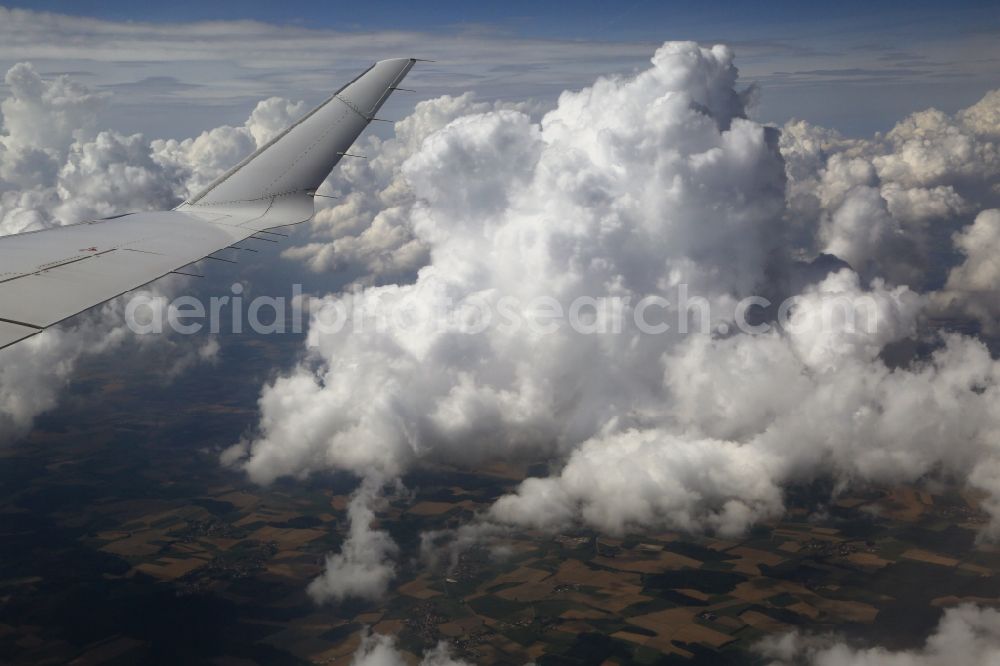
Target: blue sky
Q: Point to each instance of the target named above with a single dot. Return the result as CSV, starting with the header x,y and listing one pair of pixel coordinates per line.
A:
x,y
177,67
587,19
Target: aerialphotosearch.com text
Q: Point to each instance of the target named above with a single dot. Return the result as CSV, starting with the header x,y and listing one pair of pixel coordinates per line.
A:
x,y
379,311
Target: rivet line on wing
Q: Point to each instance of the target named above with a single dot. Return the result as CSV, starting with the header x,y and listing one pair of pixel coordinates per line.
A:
x,y
353,107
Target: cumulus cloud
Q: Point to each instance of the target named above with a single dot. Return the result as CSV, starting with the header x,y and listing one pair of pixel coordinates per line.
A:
x,y
930,148
775,420
55,169
881,204
40,120
369,230
650,185
381,650
198,161
836,320
966,634
586,202
649,477
364,567
973,287
110,174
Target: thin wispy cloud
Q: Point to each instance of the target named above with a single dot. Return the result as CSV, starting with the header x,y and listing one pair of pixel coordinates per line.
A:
x,y
216,69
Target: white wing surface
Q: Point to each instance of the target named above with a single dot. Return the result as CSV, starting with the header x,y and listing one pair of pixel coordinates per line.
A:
x,y
48,276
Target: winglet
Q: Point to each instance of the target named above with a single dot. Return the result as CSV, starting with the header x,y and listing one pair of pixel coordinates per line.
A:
x,y
299,159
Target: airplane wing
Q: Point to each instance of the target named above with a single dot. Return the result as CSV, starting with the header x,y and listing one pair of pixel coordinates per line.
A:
x,y
48,276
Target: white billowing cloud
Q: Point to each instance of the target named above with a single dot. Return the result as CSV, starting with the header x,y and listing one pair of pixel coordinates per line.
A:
x,y
607,196
204,158
983,117
201,160
973,287
650,477
836,320
381,650
110,174
922,204
636,187
773,419
271,117
26,210
875,203
364,566
735,402
54,169
41,122
859,229
819,399
41,119
369,229
930,148
967,635
981,269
